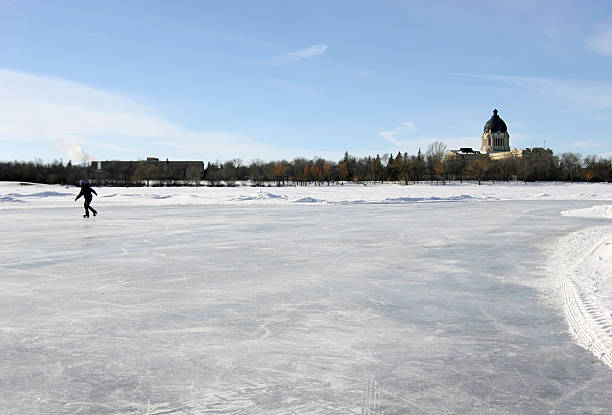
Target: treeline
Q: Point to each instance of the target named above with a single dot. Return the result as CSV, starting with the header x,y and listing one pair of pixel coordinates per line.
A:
x,y
40,172
405,168
401,167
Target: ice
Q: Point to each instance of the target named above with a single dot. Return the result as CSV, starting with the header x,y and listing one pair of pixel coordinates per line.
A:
x,y
217,305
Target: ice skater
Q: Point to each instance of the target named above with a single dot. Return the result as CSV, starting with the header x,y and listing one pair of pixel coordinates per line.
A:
x,y
86,192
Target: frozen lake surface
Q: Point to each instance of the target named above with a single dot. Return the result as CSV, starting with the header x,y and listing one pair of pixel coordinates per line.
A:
x,y
352,308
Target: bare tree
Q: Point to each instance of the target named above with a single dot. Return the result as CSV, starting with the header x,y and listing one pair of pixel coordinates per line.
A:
x,y
434,156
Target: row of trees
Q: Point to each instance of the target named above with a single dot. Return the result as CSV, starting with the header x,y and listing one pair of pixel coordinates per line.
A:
x,y
405,168
40,172
402,167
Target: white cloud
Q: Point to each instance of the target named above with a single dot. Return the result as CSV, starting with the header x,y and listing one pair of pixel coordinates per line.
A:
x,y
309,52
601,42
390,135
71,116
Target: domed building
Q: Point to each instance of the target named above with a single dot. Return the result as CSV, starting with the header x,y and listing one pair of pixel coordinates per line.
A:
x,y
496,144
495,136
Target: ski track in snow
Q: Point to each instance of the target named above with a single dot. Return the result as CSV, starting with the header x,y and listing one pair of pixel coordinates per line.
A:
x,y
583,263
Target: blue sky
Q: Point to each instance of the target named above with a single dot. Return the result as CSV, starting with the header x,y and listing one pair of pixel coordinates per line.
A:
x,y
216,80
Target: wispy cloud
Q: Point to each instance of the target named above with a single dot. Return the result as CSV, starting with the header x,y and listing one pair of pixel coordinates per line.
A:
x,y
309,52
601,42
585,144
409,125
402,138
589,97
73,116
390,135
402,130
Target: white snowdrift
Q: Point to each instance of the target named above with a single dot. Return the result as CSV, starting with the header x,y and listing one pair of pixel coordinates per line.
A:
x,y
598,211
583,263
14,195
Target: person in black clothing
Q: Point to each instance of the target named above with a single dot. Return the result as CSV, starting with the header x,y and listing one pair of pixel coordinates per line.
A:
x,y
86,192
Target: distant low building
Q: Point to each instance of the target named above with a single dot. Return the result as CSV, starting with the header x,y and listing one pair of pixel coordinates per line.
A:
x,y
496,144
194,166
147,170
466,153
524,153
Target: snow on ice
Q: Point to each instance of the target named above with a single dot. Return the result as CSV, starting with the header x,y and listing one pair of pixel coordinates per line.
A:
x,y
60,196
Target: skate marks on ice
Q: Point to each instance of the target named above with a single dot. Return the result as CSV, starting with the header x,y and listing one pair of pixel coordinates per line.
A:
x,y
581,261
240,401
372,395
365,397
277,399
375,398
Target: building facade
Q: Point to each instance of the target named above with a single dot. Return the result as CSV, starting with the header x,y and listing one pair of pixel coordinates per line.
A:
x,y
496,144
495,136
147,171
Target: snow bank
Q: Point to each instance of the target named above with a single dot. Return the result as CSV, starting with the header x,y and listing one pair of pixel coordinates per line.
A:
x,y
37,195
583,263
598,211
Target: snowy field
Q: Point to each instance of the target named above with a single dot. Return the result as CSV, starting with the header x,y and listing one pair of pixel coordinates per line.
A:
x,y
386,299
348,194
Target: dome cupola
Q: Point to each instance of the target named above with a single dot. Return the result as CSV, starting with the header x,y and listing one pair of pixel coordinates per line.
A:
x,y
495,124
495,137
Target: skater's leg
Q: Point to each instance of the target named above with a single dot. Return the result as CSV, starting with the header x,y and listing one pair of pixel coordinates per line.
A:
x,y
86,205
95,212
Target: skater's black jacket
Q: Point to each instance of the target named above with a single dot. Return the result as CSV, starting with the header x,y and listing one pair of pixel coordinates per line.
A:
x,y
86,192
